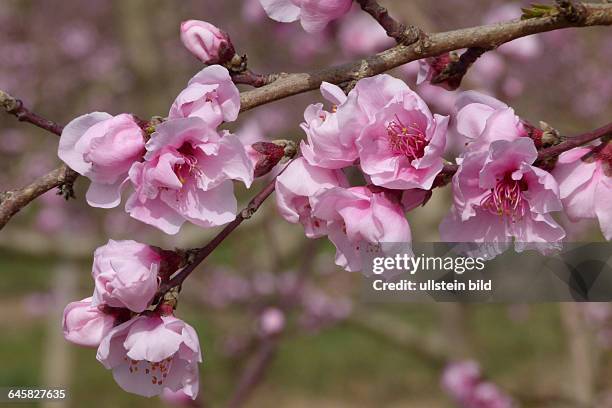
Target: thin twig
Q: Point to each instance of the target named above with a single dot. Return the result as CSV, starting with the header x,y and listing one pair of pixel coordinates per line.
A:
x,y
13,201
202,253
15,107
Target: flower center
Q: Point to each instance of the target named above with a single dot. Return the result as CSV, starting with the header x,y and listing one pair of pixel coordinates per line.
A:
x,y
156,371
184,170
506,198
405,140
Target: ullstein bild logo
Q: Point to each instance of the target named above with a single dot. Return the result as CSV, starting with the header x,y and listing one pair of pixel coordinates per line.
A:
x,y
461,272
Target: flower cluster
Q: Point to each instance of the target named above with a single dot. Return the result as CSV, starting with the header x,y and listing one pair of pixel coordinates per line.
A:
x,y
386,131
146,346
183,171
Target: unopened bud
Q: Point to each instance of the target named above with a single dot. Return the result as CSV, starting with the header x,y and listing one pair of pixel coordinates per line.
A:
x,y
208,43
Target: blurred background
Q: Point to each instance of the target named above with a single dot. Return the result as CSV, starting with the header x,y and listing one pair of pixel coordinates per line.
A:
x,y
268,292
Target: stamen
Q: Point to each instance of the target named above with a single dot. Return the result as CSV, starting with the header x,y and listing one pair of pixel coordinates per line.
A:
x,y
405,140
506,199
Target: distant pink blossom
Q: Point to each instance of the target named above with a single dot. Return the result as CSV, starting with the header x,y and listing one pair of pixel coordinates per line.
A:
x,y
295,188
271,321
499,195
210,95
125,274
460,378
328,145
523,48
102,148
314,15
402,145
359,34
150,353
584,175
208,43
187,176
357,217
85,324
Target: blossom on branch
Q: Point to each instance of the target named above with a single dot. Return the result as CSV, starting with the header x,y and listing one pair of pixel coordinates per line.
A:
x,y
206,42
152,352
187,176
102,148
210,95
585,183
85,324
358,216
314,15
125,274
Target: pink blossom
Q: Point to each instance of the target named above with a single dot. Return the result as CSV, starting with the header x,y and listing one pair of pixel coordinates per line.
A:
x,y
149,353
357,216
313,14
187,176
125,274
481,119
177,398
102,148
523,48
85,324
208,43
295,188
460,378
328,145
210,95
499,195
402,146
584,175
271,321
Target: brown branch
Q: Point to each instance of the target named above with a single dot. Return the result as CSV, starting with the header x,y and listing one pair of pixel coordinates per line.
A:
x,y
13,201
63,177
248,77
488,36
254,372
403,34
15,107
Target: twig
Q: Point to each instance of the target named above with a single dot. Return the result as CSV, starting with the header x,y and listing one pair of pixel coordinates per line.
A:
x,y
575,141
434,44
205,251
455,71
15,107
253,374
13,201
248,77
403,34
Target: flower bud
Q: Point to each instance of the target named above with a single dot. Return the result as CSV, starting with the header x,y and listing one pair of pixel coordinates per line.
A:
x,y
270,154
208,43
125,274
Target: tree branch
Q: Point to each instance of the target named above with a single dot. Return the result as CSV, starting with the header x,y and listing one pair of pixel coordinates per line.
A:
x,y
202,253
488,36
575,141
13,201
15,107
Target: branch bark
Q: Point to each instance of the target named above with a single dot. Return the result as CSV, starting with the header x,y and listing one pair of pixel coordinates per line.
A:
x,y
488,36
13,201
15,107
403,34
